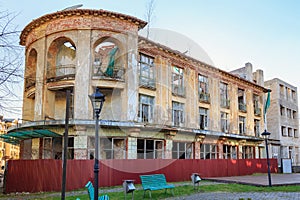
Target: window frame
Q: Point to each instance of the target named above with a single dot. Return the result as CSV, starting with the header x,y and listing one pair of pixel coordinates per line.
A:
x,y
147,72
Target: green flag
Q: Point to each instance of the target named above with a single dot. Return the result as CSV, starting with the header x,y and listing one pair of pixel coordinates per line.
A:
x,y
268,102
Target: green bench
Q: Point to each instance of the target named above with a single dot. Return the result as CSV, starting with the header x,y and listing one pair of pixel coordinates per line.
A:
x,y
90,188
155,182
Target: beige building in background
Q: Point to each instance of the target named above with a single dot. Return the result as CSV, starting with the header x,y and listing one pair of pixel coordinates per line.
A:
x,y
283,122
160,103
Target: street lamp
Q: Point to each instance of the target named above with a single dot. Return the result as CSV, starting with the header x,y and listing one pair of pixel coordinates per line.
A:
x,y
97,100
266,135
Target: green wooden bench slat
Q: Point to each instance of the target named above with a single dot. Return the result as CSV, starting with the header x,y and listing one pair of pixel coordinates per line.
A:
x,y
155,182
91,191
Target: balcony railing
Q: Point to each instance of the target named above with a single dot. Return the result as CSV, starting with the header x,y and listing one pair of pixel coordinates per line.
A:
x,y
116,73
204,97
242,107
61,72
30,80
257,111
178,90
147,82
225,103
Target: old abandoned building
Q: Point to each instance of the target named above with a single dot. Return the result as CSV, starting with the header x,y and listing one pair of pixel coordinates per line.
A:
x,y
160,103
283,122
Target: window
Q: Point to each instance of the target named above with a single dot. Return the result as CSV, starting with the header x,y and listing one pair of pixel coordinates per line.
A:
x,y
47,148
289,113
224,95
177,81
248,152
146,104
256,104
242,100
108,61
182,150
203,118
203,88
290,132
70,148
208,151
224,122
283,131
149,149
295,114
242,125
147,71
294,96
257,128
112,148
177,113
91,147
229,152
282,110
281,90
296,133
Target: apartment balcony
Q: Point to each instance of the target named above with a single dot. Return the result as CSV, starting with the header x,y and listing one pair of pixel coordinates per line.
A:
x,y
204,97
62,72
225,103
30,81
178,90
242,107
257,111
147,83
114,73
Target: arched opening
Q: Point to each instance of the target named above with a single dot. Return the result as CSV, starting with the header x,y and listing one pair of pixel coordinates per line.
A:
x,y
61,60
108,61
30,71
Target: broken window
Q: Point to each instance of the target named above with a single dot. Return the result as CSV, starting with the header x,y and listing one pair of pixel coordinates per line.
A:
x,y
225,103
112,148
248,152
177,81
208,151
107,60
203,88
242,125
182,150
70,148
203,118
177,113
229,152
224,122
242,100
150,149
146,104
146,71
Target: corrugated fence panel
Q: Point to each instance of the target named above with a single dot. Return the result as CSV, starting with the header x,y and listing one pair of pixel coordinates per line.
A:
x,y
46,175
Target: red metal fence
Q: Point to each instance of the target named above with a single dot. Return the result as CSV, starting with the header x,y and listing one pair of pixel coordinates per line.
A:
x,y
46,175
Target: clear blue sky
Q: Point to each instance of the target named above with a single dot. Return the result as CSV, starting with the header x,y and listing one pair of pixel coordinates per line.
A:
x,y
232,32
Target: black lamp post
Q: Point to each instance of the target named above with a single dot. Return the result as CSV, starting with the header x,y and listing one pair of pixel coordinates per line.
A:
x,y
266,135
97,100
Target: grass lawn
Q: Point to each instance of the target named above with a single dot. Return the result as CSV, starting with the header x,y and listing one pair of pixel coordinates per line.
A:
x,y
160,194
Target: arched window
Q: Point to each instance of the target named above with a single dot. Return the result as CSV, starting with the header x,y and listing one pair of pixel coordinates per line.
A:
x,y
61,59
107,60
30,72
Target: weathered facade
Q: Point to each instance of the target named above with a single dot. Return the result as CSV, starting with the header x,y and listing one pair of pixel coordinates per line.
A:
x,y
160,104
283,121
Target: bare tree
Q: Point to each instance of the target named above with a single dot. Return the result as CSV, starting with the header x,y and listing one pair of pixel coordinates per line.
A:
x,y
150,6
11,60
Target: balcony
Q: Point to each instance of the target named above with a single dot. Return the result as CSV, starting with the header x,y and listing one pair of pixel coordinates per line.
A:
x,y
242,107
178,90
61,72
115,73
204,97
225,103
257,111
30,81
147,82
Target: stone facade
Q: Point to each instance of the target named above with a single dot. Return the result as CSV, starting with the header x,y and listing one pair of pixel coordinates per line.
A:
x,y
283,121
160,104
